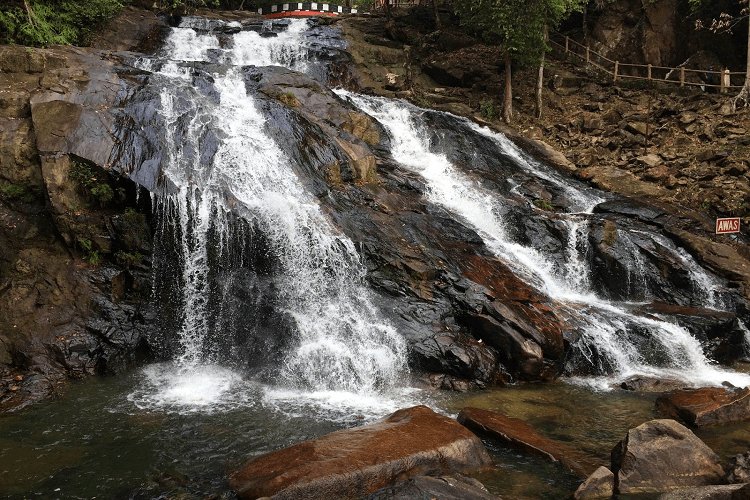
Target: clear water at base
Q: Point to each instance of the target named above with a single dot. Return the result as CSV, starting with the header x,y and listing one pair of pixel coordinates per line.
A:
x,y
94,442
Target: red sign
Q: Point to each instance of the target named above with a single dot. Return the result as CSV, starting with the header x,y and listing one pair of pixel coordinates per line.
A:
x,y
728,225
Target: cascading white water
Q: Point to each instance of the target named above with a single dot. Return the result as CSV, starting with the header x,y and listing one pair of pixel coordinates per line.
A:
x,y
343,346
604,324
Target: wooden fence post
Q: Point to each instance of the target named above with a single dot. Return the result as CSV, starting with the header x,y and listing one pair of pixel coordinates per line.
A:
x,y
726,80
649,72
588,54
617,68
567,44
682,76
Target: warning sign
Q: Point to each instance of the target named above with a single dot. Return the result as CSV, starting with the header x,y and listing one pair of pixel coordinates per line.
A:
x,y
728,225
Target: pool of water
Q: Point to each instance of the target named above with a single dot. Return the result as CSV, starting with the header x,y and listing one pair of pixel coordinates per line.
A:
x,y
137,436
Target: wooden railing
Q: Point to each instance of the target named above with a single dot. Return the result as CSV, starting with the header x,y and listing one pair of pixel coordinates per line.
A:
x,y
648,72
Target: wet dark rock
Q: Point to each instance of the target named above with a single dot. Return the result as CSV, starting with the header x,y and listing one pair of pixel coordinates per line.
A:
x,y
358,462
600,484
660,456
455,487
706,406
718,331
739,469
432,271
70,308
518,434
458,355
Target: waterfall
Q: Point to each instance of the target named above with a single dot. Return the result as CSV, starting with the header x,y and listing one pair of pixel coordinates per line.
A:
x,y
227,182
606,328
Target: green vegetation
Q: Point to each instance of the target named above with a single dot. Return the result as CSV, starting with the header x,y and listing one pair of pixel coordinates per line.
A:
x,y
50,22
17,192
487,109
87,179
544,205
91,255
129,259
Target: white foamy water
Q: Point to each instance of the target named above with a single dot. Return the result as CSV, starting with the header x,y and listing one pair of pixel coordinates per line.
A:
x,y
344,354
604,325
287,49
191,388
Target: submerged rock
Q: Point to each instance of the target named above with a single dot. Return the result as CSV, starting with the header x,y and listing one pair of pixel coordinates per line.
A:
x,y
454,487
358,462
520,435
706,406
663,455
647,384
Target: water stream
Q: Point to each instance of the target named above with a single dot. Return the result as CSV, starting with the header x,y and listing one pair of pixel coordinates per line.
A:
x,y
220,160
604,325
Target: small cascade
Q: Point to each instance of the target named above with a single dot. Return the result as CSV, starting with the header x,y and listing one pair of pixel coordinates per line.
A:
x,y
576,250
285,49
613,339
231,196
704,285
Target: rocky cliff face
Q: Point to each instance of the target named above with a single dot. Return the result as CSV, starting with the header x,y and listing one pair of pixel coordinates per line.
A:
x,y
75,242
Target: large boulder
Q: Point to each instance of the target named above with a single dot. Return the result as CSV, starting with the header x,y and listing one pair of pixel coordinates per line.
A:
x,y
706,406
357,462
663,455
520,435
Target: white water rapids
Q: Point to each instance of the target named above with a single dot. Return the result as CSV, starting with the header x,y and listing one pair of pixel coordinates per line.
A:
x,y
605,323
346,353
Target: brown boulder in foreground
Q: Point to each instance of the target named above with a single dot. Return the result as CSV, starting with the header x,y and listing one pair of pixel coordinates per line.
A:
x,y
663,455
353,463
706,406
522,436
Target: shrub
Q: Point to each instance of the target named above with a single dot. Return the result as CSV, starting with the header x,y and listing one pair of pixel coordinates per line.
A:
x,y
90,254
87,179
17,192
129,259
487,109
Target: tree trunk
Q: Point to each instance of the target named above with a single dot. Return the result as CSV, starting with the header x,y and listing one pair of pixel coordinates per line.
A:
x,y
29,13
387,8
508,92
744,94
584,22
438,25
540,80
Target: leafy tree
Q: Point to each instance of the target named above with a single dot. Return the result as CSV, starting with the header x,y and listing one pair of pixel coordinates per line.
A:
x,y
726,22
519,26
